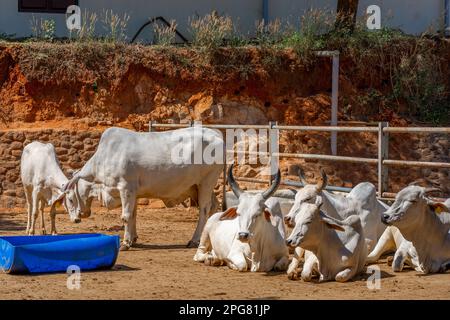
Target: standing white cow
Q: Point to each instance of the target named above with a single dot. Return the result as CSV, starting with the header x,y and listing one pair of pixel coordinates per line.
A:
x,y
338,249
361,198
44,182
130,165
424,222
249,236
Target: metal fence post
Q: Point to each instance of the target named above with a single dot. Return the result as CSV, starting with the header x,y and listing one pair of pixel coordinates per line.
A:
x,y
273,148
383,154
151,128
224,178
334,102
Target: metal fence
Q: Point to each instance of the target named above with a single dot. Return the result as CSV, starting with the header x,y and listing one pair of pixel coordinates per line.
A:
x,y
382,161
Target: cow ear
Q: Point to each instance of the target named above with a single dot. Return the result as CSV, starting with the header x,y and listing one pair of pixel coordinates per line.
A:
x,y
229,214
58,199
333,226
438,207
267,215
330,223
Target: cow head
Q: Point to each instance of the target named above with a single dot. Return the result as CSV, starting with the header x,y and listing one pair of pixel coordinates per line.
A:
x,y
79,195
69,202
251,209
309,223
308,194
409,206
84,194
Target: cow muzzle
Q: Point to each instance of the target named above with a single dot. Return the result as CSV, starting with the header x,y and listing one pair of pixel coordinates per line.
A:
x,y
76,220
385,219
243,236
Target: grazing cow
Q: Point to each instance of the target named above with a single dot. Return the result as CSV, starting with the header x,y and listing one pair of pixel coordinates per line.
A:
x,y
424,222
249,236
362,196
338,246
43,182
129,165
393,240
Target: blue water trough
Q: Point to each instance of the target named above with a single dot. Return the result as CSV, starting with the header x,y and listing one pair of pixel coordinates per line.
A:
x,y
42,254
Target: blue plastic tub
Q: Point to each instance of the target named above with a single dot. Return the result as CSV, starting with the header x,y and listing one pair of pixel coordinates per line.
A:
x,y
40,254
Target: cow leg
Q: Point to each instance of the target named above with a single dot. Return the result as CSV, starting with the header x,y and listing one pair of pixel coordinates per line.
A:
x,y
41,209
133,226
29,198
385,243
282,264
52,219
128,217
293,271
309,267
401,256
204,245
34,211
211,259
204,207
344,275
237,262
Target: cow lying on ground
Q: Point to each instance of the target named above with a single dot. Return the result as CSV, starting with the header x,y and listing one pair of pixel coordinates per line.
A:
x,y
405,253
130,165
424,222
43,182
249,236
338,246
362,199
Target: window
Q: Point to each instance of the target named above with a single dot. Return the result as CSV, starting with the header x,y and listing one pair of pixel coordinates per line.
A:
x,y
51,6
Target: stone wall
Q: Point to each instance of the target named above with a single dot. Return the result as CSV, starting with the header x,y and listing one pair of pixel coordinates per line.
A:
x,y
73,149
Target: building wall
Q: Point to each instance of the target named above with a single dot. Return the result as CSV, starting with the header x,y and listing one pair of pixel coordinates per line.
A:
x,y
412,16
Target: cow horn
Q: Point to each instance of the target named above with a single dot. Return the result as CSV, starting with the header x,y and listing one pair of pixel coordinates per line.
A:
x,y
233,184
301,175
322,183
266,194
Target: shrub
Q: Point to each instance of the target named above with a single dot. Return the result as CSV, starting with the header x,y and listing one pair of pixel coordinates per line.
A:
x,y
211,30
43,29
115,26
165,35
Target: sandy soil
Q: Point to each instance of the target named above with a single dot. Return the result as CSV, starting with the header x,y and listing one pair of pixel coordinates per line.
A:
x,y
162,268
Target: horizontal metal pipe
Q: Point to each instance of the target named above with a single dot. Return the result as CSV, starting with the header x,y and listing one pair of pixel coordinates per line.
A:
x,y
309,156
406,163
170,125
328,128
417,129
314,128
326,157
326,53
291,183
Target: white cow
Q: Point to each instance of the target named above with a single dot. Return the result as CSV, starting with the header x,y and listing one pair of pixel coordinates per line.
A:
x,y
44,182
337,247
249,236
130,165
424,222
362,197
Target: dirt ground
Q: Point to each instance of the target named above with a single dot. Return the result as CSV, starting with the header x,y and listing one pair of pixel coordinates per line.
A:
x,y
161,267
